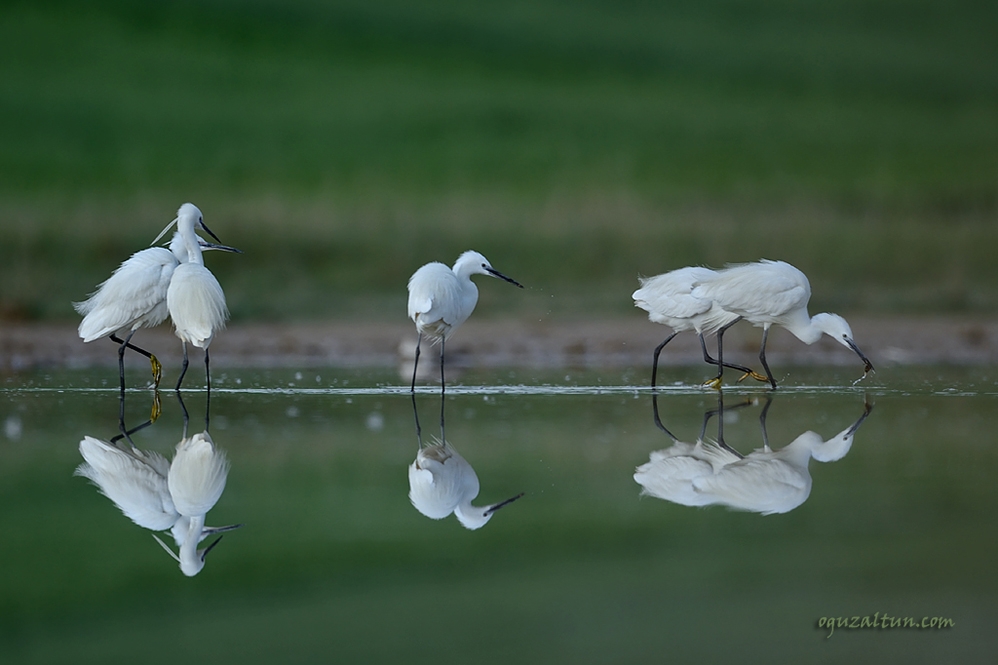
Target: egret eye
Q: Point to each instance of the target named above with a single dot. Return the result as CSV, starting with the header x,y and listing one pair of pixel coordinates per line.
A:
x,y
485,265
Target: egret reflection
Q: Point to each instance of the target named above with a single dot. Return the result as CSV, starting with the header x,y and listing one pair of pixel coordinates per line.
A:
x,y
162,495
766,481
442,482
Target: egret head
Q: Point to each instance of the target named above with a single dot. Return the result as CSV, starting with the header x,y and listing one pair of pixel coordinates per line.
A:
x,y
191,559
188,215
838,329
836,448
473,263
473,517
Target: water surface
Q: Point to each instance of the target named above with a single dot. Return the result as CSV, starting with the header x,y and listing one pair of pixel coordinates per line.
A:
x,y
335,562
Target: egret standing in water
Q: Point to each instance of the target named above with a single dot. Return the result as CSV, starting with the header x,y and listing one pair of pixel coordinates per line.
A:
x,y
134,297
773,292
442,482
194,298
668,299
442,298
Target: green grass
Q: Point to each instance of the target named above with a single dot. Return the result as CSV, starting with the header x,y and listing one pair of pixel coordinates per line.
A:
x,y
576,144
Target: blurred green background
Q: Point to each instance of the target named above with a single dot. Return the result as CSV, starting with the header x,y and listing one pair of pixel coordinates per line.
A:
x,y
576,144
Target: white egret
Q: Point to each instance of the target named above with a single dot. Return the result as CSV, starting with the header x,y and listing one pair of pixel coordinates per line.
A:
x,y
137,482
134,480
442,482
771,482
669,474
196,481
669,300
134,297
194,298
773,292
442,298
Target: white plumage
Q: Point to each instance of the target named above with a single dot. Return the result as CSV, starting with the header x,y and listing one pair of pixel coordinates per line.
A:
x,y
194,298
764,481
668,298
134,480
197,475
134,296
442,482
160,495
669,474
774,292
442,298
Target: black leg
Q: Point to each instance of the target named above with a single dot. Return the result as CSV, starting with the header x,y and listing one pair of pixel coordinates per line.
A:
x,y
707,359
183,408
157,368
121,359
415,363
762,423
658,421
207,409
415,415
443,388
658,350
762,358
207,371
183,369
720,353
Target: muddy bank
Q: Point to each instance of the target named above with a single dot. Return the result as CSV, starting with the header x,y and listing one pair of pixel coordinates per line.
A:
x,y
630,341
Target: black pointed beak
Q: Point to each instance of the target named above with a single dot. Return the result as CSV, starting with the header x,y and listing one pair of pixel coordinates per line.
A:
x,y
205,551
223,248
212,530
496,273
496,507
867,408
208,231
866,361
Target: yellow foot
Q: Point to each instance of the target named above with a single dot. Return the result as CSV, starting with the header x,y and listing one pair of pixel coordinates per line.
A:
x,y
714,383
754,375
157,407
157,371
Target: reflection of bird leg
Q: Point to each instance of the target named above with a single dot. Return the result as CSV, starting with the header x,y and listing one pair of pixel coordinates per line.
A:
x,y
762,422
658,351
415,415
183,408
658,421
719,412
127,434
157,406
207,399
157,367
443,387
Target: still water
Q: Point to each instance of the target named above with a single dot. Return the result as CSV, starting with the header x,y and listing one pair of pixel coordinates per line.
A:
x,y
623,548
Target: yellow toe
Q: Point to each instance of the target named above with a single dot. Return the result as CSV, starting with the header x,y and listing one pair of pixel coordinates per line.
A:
x,y
157,371
157,407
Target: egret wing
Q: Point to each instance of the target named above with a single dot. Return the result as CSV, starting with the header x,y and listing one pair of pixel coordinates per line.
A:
x,y
764,289
134,294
